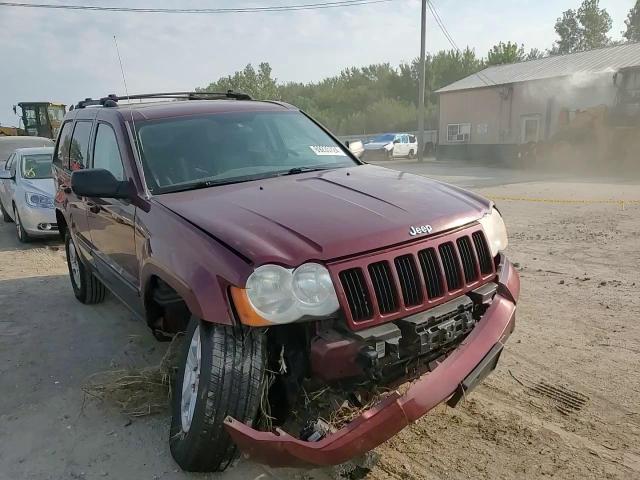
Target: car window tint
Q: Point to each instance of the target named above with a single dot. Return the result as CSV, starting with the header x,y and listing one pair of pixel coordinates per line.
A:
x,y
61,153
105,151
79,148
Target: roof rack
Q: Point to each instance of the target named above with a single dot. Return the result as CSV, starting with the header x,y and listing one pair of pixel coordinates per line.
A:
x,y
112,100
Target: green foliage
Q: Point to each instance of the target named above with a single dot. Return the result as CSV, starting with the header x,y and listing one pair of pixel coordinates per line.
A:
x,y
584,29
632,33
258,84
505,53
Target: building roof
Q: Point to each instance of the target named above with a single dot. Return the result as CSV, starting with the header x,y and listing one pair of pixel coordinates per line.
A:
x,y
591,61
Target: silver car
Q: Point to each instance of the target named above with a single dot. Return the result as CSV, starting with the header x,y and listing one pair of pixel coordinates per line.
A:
x,y
26,192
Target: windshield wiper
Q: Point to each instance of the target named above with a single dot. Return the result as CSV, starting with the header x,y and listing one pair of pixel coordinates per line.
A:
x,y
203,184
296,170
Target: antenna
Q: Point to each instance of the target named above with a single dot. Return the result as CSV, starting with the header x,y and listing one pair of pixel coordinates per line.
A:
x,y
133,122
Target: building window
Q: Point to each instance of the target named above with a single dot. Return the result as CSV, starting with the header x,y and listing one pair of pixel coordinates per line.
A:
x,y
530,128
458,132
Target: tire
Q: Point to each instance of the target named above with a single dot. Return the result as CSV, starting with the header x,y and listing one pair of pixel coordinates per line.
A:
x,y
390,155
86,287
412,154
23,236
5,215
230,380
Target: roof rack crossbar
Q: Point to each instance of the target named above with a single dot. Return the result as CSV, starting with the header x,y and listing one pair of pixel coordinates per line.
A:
x,y
112,99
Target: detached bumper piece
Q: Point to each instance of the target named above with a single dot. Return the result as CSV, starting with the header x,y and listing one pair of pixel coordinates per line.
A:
x,y
462,370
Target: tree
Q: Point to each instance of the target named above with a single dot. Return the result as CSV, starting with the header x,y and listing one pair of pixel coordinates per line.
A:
x,y
596,23
534,54
632,33
583,29
503,53
258,84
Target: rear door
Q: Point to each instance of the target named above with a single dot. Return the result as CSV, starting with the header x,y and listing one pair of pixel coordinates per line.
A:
x,y
72,153
112,221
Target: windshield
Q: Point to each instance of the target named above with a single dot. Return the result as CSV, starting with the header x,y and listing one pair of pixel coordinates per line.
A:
x,y
387,137
36,166
190,152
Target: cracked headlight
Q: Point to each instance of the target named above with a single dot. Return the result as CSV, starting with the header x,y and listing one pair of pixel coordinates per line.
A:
x,y
495,230
280,295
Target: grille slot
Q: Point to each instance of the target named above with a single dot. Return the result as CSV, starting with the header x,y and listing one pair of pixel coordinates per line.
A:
x,y
384,287
468,259
451,265
431,272
482,250
355,288
409,280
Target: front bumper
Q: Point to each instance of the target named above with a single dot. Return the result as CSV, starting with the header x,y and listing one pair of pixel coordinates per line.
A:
x,y
396,411
32,217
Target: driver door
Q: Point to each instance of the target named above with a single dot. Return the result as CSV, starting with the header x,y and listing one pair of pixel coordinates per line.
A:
x,y
112,222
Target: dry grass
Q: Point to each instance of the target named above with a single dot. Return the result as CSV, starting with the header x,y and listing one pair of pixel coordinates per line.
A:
x,y
138,392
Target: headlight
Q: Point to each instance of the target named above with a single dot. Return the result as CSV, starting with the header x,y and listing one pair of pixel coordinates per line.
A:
x,y
280,295
38,201
495,230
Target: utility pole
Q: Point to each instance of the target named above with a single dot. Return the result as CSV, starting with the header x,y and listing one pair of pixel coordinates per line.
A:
x,y
423,35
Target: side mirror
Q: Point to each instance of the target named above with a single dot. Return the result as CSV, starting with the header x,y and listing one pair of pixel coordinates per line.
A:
x,y
98,183
6,175
346,143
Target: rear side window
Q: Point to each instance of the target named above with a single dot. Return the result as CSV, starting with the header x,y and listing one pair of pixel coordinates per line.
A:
x,y
105,151
79,148
61,154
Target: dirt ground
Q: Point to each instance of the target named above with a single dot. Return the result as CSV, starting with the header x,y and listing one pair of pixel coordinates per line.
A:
x,y
563,402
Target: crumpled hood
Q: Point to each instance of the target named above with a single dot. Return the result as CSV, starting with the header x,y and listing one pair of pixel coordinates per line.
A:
x,y
324,215
375,145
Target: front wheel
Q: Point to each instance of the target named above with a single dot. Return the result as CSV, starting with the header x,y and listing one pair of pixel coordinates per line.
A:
x,y
412,154
222,375
23,236
86,287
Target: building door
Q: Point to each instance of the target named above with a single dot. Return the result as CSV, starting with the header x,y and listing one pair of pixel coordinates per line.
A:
x,y
530,128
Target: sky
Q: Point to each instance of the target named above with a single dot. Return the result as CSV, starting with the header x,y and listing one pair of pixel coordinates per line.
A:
x,y
65,56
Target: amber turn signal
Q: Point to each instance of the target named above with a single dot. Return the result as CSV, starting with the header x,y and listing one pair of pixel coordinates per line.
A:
x,y
248,316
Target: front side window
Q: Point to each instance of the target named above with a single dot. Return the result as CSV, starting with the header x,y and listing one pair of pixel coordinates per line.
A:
x,y
106,153
36,166
79,148
191,152
9,161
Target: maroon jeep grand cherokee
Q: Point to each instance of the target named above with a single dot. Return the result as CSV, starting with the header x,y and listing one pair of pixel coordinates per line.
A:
x,y
249,227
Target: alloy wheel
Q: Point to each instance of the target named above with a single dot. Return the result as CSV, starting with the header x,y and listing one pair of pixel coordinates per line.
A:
x,y
191,380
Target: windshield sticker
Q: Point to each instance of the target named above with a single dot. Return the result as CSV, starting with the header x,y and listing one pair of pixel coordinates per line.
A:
x,y
323,150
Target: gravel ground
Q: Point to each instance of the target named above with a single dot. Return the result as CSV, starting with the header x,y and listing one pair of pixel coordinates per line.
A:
x,y
563,402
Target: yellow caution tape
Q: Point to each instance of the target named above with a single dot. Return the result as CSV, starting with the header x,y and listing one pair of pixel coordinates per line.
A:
x,y
622,203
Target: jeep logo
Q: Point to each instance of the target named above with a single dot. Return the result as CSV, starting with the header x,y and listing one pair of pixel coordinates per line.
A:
x,y
419,230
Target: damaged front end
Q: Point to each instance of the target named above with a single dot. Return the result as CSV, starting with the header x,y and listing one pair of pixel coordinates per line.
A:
x,y
443,351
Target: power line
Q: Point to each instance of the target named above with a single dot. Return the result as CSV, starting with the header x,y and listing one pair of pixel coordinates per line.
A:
x,y
273,8
483,78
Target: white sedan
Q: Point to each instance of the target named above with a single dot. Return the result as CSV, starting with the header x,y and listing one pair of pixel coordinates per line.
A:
x,y
26,192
